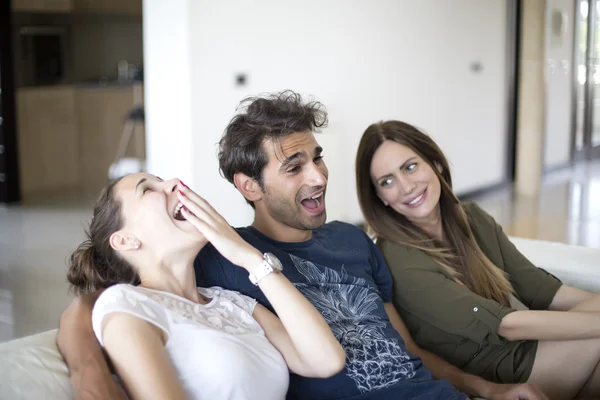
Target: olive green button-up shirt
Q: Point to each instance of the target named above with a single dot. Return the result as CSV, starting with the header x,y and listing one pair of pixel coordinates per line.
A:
x,y
448,319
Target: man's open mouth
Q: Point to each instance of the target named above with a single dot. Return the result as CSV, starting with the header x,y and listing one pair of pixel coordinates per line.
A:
x,y
314,203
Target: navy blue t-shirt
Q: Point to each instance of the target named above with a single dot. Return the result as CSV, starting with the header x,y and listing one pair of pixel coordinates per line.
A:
x,y
345,277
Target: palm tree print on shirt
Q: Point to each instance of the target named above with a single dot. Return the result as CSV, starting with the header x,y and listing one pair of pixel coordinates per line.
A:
x,y
347,303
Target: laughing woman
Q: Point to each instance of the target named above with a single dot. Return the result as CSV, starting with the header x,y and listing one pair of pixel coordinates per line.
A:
x,y
458,278
168,339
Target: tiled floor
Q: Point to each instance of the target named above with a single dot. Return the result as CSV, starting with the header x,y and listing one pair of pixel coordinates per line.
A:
x,y
34,245
568,209
35,242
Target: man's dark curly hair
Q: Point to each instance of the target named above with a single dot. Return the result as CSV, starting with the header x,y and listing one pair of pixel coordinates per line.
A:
x,y
271,117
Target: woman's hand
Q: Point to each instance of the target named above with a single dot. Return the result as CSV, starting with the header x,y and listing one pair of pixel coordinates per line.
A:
x,y
217,230
300,333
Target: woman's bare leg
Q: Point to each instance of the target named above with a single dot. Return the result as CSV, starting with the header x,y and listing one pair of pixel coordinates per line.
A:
x,y
592,387
566,369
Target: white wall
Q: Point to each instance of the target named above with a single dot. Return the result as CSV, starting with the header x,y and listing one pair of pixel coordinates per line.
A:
x,y
559,84
167,91
365,60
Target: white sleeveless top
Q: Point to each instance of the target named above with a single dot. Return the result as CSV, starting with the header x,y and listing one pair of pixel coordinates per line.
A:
x,y
218,350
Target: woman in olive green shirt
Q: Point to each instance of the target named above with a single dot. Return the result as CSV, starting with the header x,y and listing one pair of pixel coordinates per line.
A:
x,y
461,286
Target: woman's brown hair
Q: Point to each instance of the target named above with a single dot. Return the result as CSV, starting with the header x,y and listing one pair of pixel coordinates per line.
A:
x,y
95,264
458,254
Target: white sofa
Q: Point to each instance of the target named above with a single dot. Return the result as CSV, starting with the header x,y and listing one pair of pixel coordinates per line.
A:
x,y
32,367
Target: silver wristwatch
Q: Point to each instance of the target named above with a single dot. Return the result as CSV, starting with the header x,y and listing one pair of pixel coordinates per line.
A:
x,y
269,265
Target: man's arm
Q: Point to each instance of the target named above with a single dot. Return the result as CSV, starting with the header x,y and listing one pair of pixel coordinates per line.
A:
x,y
88,368
467,383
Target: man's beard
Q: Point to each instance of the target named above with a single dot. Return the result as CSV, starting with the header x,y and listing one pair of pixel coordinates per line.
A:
x,y
291,214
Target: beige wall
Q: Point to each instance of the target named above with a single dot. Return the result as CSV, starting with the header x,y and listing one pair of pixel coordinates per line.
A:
x,y
531,95
545,91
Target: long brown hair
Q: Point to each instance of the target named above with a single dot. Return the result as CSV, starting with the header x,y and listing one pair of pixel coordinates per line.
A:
x,y
459,255
95,264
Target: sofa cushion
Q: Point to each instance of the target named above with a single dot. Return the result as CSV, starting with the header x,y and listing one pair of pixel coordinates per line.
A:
x,y
32,368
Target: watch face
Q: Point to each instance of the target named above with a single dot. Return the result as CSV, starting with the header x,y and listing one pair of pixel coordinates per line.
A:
x,y
273,261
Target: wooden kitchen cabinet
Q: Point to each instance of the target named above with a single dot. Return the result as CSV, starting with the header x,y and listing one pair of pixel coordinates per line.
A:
x,y
47,140
102,113
42,6
120,7
68,137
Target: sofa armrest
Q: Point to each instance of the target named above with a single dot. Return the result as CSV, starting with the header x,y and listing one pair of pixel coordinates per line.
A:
x,y
574,265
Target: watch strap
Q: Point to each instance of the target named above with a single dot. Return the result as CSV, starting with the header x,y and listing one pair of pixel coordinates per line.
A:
x,y
263,270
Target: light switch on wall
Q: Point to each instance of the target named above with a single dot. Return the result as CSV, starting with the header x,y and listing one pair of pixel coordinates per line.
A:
x,y
241,79
476,66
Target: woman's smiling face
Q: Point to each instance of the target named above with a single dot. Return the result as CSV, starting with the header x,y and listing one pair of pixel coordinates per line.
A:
x,y
405,182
